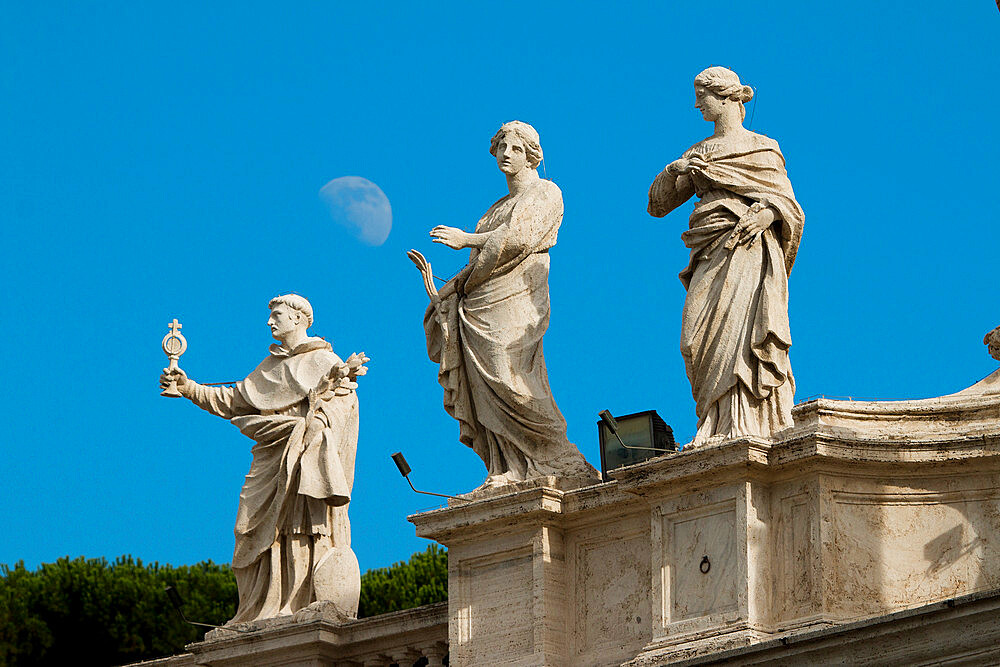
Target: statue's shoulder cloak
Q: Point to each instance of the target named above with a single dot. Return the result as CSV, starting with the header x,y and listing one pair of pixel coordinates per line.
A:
x,y
530,226
286,377
756,171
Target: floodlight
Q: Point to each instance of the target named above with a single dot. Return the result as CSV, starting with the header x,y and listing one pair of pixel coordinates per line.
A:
x,y
647,436
404,470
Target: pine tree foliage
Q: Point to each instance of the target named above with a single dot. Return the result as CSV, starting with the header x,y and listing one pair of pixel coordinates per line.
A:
x,y
84,611
421,580
92,612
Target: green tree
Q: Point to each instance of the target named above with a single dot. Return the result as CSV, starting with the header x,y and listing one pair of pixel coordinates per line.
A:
x,y
421,580
111,613
80,611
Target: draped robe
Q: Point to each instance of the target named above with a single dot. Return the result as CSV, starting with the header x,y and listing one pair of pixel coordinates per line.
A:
x,y
293,506
734,330
487,338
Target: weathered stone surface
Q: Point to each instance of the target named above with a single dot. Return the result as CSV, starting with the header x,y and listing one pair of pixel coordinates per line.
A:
x,y
401,637
485,326
959,631
851,515
513,553
744,234
293,538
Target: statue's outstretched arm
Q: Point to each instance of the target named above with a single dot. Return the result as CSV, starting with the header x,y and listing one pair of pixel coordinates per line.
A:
x,y
456,238
223,402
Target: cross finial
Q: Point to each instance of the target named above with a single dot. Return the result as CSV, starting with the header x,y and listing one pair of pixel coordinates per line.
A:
x,y
175,326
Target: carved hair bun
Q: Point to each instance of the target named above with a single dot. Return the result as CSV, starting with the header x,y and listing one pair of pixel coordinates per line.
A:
x,y
725,83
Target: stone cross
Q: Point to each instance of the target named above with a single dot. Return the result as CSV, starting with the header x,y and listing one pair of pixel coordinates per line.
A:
x,y
174,344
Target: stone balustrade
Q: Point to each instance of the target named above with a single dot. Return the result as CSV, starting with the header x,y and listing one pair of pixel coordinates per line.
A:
x,y
410,638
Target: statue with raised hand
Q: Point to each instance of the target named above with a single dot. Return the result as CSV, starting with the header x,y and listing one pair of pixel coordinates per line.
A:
x,y
293,538
743,234
484,327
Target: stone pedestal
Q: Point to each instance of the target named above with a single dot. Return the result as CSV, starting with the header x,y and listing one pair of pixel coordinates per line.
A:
x,y
515,564
863,509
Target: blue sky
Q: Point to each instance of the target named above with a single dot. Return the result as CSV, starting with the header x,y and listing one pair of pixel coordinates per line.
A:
x,y
164,160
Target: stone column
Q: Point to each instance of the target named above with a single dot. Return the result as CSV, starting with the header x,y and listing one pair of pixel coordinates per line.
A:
x,y
405,657
434,653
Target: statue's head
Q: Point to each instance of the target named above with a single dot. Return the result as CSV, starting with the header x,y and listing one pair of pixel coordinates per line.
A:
x,y
515,146
716,88
992,341
289,313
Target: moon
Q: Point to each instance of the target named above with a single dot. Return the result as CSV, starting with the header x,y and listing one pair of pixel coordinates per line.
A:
x,y
360,207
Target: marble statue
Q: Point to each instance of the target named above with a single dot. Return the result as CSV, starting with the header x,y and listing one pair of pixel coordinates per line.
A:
x,y
992,343
293,538
743,235
485,326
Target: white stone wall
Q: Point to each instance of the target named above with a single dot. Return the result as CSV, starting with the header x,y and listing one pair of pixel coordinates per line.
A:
x,y
849,516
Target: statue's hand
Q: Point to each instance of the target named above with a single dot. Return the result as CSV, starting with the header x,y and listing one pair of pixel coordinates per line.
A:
x,y
678,167
696,164
686,165
757,224
757,218
175,374
450,236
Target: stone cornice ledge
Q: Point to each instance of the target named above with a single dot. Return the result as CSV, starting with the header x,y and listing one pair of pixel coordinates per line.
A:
x,y
286,635
961,630
729,458
832,433
829,445
932,419
496,514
